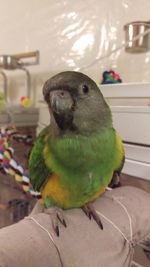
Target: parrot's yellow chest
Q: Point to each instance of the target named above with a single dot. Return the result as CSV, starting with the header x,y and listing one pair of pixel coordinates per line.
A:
x,y
55,190
63,196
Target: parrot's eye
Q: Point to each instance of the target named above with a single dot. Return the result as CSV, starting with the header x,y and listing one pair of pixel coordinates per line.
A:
x,y
85,89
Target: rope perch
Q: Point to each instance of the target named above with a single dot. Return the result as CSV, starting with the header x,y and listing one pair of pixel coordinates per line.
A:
x,y
10,166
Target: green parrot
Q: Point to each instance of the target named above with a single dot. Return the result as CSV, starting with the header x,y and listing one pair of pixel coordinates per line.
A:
x,y
75,158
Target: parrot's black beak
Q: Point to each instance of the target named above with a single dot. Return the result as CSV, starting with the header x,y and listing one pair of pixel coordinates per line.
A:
x,y
62,104
61,101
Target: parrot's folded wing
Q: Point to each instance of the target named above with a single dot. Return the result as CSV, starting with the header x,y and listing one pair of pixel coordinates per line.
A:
x,y
120,154
38,170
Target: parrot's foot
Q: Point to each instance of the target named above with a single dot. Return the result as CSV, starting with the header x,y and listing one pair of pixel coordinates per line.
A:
x,y
115,182
56,215
91,212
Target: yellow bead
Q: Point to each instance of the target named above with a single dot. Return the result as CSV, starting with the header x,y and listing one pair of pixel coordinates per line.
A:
x,y
27,102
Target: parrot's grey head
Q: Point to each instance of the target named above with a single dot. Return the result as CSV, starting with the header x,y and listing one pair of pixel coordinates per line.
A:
x,y
76,102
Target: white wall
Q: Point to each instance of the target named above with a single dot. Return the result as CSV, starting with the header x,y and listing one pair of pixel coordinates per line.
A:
x,y
71,34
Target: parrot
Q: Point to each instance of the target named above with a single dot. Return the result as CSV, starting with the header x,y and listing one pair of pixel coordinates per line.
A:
x,y
75,157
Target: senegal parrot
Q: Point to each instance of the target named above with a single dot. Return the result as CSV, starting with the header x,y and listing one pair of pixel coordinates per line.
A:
x,y
75,158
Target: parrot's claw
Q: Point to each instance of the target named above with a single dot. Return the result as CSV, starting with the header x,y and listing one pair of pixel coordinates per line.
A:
x,y
90,212
56,215
115,182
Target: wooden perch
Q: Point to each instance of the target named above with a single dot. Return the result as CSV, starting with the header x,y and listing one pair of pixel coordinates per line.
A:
x,y
26,54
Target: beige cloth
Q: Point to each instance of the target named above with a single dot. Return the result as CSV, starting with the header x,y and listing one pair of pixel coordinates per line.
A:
x,y
82,243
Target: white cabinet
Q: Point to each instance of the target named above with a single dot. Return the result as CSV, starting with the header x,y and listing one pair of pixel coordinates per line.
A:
x,y
133,124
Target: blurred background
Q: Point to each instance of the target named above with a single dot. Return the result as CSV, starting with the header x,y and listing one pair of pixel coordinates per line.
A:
x,y
71,34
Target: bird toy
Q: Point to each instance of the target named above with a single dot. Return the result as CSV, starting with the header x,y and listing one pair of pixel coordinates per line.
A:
x,y
110,77
25,101
10,166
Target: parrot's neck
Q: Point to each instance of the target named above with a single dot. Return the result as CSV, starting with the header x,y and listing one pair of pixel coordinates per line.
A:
x,y
91,121
80,152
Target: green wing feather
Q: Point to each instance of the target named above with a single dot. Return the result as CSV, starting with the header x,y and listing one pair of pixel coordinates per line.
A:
x,y
120,154
38,170
119,162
